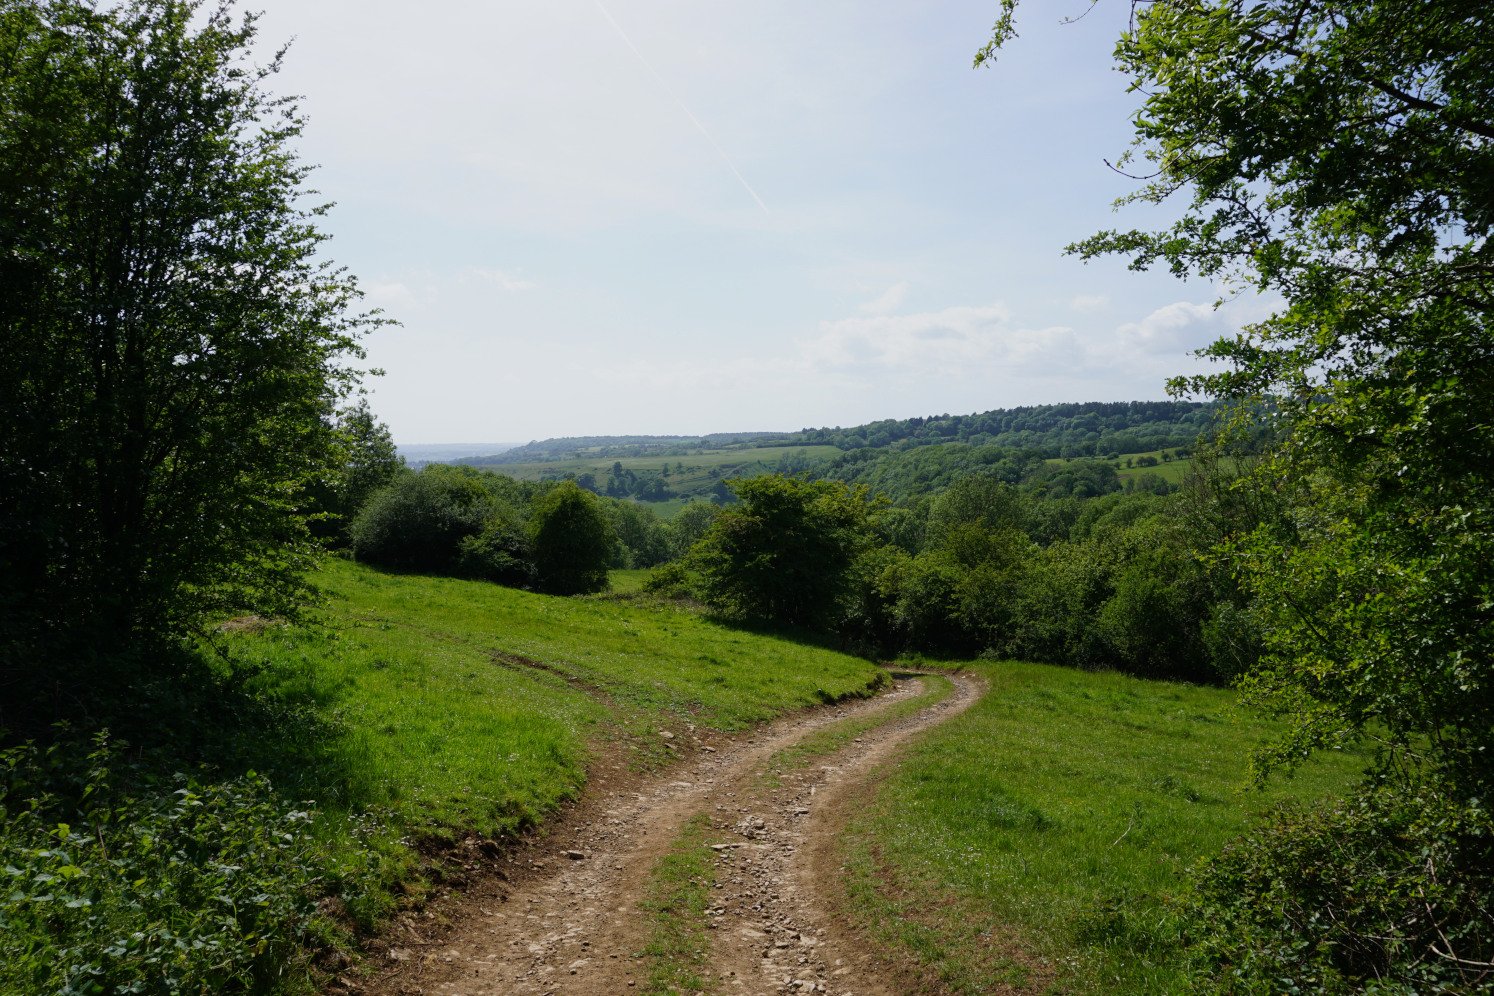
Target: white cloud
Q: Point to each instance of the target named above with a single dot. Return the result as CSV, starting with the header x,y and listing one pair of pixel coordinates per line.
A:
x,y
888,301
1089,303
953,342
388,294
504,280
1172,329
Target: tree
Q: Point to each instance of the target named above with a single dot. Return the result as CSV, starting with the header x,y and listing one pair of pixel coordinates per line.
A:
x,y
1341,155
366,461
173,344
572,541
785,553
689,525
420,521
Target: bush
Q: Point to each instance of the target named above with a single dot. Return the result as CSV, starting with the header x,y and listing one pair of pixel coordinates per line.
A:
x,y
572,541
501,553
689,525
785,554
189,887
643,540
1385,893
418,523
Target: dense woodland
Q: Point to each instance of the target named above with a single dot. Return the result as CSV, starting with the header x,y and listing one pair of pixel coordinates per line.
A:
x,y
182,442
1068,430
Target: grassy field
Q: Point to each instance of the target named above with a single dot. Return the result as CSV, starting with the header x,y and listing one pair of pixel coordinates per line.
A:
x,y
701,460
465,707
1036,840
1173,471
693,474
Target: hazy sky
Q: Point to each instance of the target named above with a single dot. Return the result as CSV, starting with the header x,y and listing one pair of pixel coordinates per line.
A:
x,y
661,216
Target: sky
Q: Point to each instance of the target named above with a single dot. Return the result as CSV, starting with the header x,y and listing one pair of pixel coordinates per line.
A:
x,y
677,217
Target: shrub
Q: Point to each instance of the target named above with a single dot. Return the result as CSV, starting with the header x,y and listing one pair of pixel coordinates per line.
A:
x,y
1386,893
689,525
419,522
643,541
785,554
572,541
188,887
501,553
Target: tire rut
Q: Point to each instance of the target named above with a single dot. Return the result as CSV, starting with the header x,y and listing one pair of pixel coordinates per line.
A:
x,y
574,926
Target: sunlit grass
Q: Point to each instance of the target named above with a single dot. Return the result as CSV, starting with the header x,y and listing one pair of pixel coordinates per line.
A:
x,y
462,707
1041,834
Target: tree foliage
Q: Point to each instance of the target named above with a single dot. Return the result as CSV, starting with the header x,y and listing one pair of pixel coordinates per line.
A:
x,y
1341,156
174,345
420,521
572,541
785,553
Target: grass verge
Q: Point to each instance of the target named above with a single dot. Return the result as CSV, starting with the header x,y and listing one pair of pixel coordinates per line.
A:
x,y
679,894
832,738
1036,842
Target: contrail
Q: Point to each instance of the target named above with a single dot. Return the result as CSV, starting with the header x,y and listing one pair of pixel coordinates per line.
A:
x,y
694,120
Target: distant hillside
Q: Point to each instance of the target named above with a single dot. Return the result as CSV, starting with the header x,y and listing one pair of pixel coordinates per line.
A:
x,y
584,447
898,457
1068,430
1053,431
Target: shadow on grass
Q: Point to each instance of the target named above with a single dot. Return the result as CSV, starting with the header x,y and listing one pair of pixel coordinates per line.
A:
x,y
182,709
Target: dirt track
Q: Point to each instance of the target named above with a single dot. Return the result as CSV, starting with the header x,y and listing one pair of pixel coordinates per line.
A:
x,y
570,921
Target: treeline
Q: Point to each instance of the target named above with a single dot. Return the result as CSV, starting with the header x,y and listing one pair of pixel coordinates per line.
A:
x,y
578,447
982,566
1066,430
905,474
1087,429
553,536
896,473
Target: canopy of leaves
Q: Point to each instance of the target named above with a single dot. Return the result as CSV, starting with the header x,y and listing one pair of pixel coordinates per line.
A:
x,y
784,554
174,346
1341,155
573,540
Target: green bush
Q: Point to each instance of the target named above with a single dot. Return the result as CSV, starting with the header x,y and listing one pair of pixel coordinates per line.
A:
x,y
689,525
1384,893
501,553
642,538
573,541
785,553
418,522
184,887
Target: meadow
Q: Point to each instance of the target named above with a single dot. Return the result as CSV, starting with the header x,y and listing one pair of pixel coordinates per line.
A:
x,y
1044,838
461,707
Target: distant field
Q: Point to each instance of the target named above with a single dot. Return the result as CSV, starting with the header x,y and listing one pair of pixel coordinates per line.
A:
x,y
1172,471
697,465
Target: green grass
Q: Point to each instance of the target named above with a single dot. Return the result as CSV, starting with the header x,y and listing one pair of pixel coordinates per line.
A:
x,y
626,582
1173,472
1036,839
679,893
832,738
464,707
